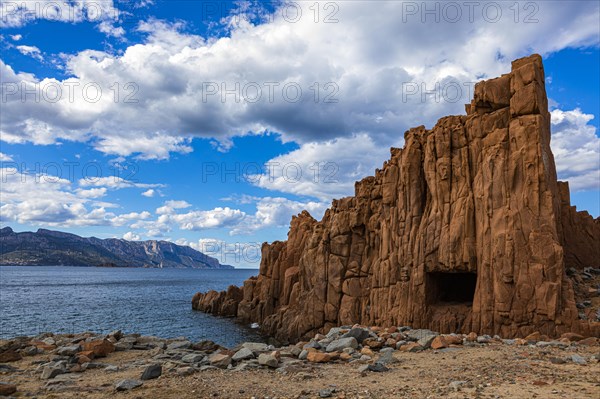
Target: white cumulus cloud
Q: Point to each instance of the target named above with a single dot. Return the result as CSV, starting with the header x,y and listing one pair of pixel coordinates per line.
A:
x,y
361,80
576,149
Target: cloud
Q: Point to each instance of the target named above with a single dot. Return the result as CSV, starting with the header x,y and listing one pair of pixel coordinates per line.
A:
x,y
271,212
114,183
175,86
149,193
277,212
124,219
92,193
31,51
42,199
215,218
324,170
109,29
170,206
576,149
16,38
130,236
5,157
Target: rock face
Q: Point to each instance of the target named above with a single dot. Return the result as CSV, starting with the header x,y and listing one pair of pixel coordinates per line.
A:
x,y
464,229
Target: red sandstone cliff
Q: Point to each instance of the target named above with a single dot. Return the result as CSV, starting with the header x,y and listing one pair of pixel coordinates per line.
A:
x,y
464,229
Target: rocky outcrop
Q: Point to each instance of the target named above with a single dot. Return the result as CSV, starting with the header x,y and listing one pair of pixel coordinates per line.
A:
x,y
55,248
464,229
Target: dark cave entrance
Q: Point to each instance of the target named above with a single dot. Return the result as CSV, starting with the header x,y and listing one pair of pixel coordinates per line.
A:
x,y
451,288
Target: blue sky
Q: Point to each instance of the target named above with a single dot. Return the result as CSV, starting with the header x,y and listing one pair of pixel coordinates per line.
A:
x,y
164,151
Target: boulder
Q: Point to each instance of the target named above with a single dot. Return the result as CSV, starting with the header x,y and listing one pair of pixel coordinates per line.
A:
x,y
100,348
340,344
242,354
319,357
192,358
127,385
68,350
152,371
358,333
265,359
219,360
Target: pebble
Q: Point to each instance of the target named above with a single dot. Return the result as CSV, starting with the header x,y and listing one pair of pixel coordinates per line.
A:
x,y
255,346
578,359
152,371
219,360
325,393
68,350
426,341
377,367
193,358
184,371
178,345
456,385
51,372
342,343
242,354
358,333
303,355
269,360
126,385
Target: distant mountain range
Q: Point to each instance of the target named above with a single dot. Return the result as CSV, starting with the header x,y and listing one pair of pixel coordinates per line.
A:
x,y
55,248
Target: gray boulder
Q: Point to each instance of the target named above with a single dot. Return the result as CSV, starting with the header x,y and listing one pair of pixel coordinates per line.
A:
x,y
126,385
265,359
341,344
151,372
242,354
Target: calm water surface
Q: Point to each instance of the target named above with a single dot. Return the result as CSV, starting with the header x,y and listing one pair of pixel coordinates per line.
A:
x,y
36,299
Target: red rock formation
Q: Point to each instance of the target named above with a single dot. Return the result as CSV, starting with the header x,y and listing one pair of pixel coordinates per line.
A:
x,y
464,229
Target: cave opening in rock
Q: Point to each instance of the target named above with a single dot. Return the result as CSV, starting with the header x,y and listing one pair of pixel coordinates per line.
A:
x,y
448,288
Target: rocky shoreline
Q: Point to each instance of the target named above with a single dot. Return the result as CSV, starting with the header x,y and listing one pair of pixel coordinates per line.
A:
x,y
340,364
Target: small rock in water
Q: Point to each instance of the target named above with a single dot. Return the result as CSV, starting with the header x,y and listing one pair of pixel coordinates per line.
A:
x,y
126,385
151,372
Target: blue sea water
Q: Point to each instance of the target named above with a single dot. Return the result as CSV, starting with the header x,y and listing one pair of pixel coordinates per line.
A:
x,y
58,299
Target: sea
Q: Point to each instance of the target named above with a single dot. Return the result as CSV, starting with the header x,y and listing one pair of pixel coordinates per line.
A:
x,y
60,299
